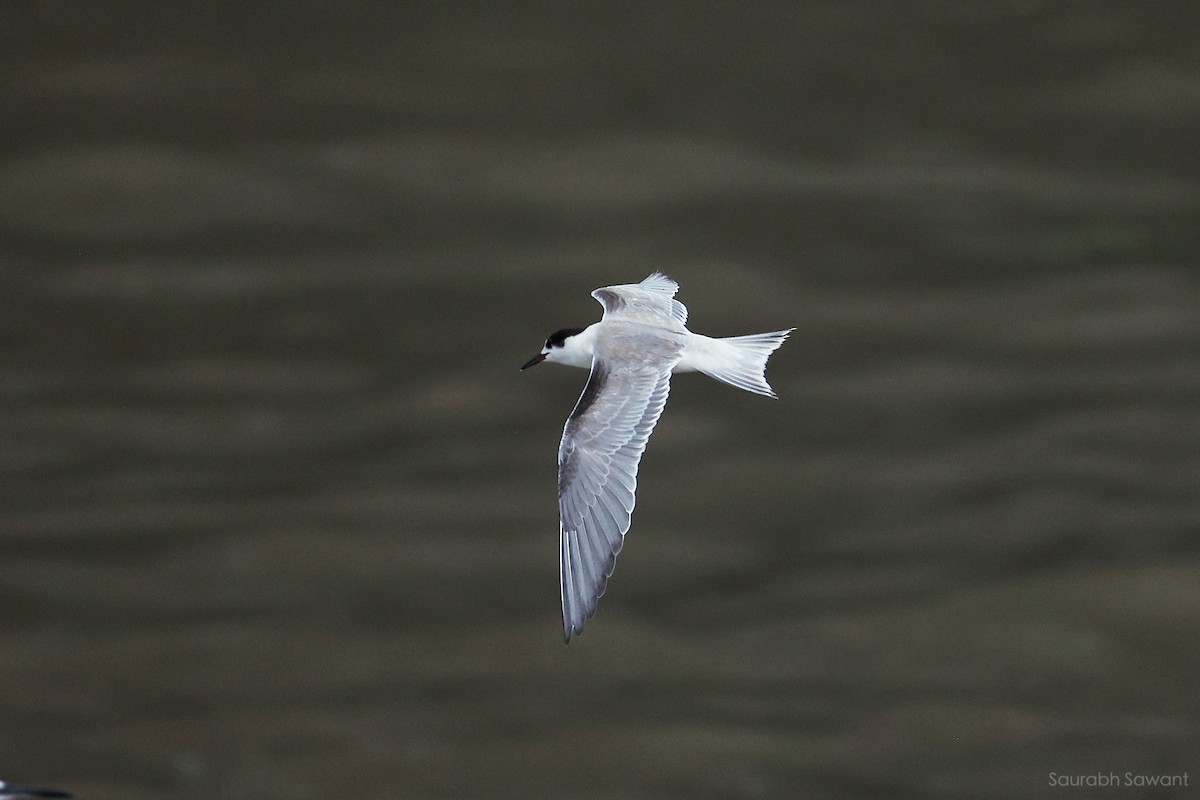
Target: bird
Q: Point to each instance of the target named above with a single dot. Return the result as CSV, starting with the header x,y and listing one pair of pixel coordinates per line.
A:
x,y
19,790
641,340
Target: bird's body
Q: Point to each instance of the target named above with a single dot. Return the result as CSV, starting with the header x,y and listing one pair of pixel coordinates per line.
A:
x,y
632,353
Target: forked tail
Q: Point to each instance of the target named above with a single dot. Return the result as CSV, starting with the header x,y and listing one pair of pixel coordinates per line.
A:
x,y
741,361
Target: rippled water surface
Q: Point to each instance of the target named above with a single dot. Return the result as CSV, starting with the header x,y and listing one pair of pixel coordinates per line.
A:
x,y
278,514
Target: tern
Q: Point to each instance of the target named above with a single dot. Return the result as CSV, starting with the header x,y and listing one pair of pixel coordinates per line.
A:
x,y
18,790
632,352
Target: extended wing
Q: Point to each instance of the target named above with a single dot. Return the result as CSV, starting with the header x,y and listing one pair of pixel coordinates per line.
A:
x,y
653,297
598,459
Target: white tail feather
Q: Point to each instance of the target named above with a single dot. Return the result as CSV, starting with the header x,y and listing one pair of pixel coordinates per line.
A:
x,y
740,361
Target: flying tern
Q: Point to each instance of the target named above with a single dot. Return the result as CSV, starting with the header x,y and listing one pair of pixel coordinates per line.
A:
x,y
632,352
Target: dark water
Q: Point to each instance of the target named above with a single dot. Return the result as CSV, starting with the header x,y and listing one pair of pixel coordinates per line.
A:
x,y
278,513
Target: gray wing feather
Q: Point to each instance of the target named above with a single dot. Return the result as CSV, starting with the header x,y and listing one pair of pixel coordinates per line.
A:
x,y
679,311
658,282
598,458
654,296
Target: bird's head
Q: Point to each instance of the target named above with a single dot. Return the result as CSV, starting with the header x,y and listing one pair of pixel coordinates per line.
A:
x,y
562,347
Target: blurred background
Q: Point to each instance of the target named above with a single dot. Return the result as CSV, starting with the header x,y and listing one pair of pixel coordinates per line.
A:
x,y
278,512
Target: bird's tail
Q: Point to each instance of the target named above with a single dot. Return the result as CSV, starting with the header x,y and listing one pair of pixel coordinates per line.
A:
x,y
741,361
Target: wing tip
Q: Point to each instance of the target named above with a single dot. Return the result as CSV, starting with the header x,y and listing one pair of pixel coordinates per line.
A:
x,y
573,628
661,281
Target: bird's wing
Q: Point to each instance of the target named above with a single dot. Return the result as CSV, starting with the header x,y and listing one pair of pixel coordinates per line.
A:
x,y
653,297
602,444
